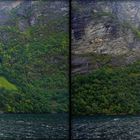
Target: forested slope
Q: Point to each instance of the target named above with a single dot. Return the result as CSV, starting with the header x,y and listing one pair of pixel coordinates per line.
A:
x,y
105,57
34,56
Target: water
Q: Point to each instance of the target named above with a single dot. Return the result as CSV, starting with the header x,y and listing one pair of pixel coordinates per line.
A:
x,y
33,126
106,127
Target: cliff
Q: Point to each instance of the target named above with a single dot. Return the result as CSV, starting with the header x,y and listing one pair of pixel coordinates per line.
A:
x,y
105,57
105,28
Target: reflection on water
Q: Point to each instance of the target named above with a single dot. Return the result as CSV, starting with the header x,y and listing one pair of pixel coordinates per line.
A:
x,y
106,127
34,126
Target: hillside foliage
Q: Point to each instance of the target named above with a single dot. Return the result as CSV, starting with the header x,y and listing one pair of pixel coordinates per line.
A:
x,y
108,90
34,69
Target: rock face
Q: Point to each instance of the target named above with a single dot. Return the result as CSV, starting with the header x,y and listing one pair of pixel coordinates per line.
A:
x,y
24,14
8,5
29,13
105,29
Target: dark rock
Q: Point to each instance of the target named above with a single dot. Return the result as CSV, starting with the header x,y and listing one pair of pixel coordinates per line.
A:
x,y
98,28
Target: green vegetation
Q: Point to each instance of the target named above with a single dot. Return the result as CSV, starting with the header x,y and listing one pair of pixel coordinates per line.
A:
x,y
98,59
76,7
135,30
109,90
113,87
6,84
103,14
34,69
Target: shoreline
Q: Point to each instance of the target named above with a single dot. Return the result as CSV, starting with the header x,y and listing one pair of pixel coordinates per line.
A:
x,y
104,115
33,113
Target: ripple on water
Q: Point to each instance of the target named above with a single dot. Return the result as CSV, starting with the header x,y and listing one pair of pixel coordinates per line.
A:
x,y
106,127
33,126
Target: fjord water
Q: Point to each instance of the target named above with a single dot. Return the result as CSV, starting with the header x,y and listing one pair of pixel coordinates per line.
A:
x,y
106,127
33,126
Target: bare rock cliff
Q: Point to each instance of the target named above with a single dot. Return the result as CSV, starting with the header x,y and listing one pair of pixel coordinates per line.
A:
x,y
104,33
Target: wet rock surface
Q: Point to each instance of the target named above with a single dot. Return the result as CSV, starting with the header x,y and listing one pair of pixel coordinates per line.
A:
x,y
106,128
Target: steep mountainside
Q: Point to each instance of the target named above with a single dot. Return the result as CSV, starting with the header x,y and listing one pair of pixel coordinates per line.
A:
x,y
33,56
105,28
105,57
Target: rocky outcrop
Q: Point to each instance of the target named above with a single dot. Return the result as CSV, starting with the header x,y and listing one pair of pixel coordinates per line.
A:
x,y
105,29
20,15
28,13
